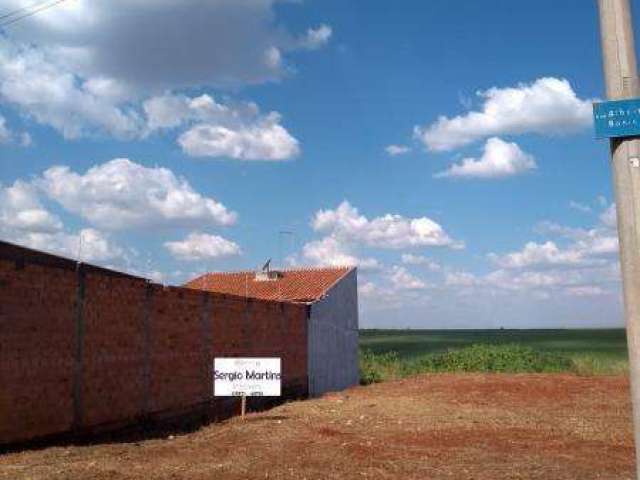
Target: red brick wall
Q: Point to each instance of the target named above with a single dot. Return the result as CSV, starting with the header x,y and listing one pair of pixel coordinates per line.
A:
x,y
36,350
92,348
113,348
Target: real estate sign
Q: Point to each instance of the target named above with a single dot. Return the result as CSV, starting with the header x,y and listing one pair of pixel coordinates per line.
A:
x,y
235,377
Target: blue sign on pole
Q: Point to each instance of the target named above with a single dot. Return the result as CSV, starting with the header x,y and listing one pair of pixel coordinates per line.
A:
x,y
617,118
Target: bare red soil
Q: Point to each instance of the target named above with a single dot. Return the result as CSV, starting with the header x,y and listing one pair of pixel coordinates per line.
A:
x,y
428,427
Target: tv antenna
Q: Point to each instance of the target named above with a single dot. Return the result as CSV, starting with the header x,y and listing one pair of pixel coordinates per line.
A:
x,y
266,266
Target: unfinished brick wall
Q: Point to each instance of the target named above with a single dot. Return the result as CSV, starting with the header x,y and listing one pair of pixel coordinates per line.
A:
x,y
83,347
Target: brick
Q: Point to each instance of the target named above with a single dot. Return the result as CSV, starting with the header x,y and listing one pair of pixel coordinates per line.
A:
x,y
147,348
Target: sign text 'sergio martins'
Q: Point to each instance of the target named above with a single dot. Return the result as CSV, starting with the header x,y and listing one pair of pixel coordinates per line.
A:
x,y
246,376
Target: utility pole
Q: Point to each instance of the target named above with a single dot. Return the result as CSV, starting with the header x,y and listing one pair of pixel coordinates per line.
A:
x,y
621,78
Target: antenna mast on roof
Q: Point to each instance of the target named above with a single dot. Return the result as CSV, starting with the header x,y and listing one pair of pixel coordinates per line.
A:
x,y
80,247
267,266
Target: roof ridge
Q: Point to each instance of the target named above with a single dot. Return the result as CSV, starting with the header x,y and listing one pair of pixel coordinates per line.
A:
x,y
316,268
289,270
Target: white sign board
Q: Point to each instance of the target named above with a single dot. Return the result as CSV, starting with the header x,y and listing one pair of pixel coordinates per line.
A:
x,y
233,377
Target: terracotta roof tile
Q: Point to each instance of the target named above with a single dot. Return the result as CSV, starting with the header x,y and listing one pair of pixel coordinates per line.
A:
x,y
304,285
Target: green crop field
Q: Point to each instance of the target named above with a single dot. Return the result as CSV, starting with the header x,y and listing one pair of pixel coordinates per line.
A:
x,y
395,353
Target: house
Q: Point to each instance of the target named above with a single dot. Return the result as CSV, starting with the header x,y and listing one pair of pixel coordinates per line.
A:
x,y
331,297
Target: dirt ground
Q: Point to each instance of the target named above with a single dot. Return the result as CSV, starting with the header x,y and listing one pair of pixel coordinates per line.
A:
x,y
429,427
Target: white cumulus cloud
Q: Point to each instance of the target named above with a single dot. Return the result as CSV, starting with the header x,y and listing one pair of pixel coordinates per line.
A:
x,y
92,246
5,134
546,253
21,211
388,231
331,251
608,217
460,279
85,69
316,37
586,291
585,264
24,220
402,279
166,44
500,159
348,238
395,150
588,246
237,131
580,207
420,260
122,194
264,140
55,96
87,245
546,106
202,246
173,110
9,136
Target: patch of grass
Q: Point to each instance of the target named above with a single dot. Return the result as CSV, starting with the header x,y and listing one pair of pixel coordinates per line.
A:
x,y
482,357
591,351
592,365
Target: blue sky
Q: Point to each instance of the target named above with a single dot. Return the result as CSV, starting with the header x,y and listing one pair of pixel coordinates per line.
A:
x,y
178,137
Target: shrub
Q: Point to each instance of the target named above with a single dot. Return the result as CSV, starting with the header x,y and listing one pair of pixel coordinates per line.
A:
x,y
512,358
378,367
488,358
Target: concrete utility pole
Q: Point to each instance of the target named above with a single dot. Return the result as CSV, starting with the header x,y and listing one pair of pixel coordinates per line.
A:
x,y
621,78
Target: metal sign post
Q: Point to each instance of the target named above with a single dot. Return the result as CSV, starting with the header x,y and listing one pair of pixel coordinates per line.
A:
x,y
246,377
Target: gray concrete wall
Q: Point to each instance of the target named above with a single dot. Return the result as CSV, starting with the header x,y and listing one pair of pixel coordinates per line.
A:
x,y
333,338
